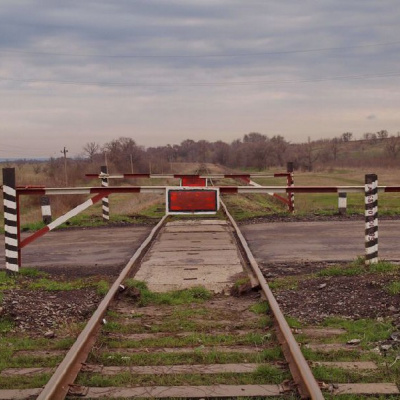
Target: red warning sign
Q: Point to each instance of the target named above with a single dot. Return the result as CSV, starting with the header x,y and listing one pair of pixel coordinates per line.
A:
x,y
192,200
193,181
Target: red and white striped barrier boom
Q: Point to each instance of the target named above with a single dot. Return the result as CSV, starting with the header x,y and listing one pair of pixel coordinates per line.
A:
x,y
180,176
222,189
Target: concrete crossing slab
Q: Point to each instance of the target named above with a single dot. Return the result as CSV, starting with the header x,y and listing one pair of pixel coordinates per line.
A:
x,y
198,222
195,228
194,257
194,235
191,255
195,245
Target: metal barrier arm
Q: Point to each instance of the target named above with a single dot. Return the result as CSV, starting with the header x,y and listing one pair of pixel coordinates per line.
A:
x,y
61,220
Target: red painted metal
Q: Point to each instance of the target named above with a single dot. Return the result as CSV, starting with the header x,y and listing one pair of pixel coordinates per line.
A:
x,y
282,199
192,200
281,174
194,181
34,236
392,189
41,232
228,189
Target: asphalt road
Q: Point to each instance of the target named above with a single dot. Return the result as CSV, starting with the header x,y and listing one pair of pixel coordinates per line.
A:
x,y
318,241
270,242
85,247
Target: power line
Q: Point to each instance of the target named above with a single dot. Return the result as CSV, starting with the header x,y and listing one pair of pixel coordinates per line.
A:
x,y
256,54
205,84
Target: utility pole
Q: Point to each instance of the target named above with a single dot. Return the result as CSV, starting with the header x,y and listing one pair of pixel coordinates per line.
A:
x,y
65,151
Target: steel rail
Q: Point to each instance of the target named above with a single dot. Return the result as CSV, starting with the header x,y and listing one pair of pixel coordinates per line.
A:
x,y
301,372
64,376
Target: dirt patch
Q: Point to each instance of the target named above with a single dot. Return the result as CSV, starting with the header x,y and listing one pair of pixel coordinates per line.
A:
x,y
353,297
275,270
82,271
312,218
35,312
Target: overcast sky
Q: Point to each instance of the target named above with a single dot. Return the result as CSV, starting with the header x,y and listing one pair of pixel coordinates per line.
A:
x,y
161,71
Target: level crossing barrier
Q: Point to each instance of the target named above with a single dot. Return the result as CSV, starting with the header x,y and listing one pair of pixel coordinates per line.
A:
x,y
199,180
12,193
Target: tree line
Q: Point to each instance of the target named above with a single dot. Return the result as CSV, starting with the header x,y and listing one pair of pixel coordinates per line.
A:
x,y
254,151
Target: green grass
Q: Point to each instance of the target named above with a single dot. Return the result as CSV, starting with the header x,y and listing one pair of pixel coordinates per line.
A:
x,y
187,296
198,356
194,339
358,267
265,374
52,285
260,308
24,382
339,375
368,331
394,288
102,287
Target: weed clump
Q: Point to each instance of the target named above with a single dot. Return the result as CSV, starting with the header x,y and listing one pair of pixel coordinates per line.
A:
x,y
195,294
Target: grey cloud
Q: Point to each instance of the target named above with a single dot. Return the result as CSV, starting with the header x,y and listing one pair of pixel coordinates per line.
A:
x,y
209,27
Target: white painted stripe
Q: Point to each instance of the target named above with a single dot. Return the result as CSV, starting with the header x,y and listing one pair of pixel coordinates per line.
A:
x,y
46,210
10,229
10,204
105,200
11,253
9,190
155,190
370,199
371,225
370,238
371,212
12,267
11,241
10,217
370,250
104,184
54,191
107,217
252,183
342,202
70,214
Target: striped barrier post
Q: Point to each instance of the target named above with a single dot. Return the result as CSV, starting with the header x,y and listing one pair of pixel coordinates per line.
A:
x,y
11,221
290,182
46,209
342,203
371,219
105,202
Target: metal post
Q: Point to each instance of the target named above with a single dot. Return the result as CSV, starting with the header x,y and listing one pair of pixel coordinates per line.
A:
x,y
105,202
371,219
290,182
342,203
46,209
11,223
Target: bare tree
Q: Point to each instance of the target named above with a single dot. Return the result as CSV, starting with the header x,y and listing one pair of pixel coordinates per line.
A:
x,y
392,146
91,149
334,146
347,136
383,134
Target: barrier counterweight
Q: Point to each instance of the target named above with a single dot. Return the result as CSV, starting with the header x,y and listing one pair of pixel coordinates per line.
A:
x,y
12,251
371,219
46,209
104,200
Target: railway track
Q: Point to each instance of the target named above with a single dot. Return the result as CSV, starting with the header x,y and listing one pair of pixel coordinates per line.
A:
x,y
145,342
